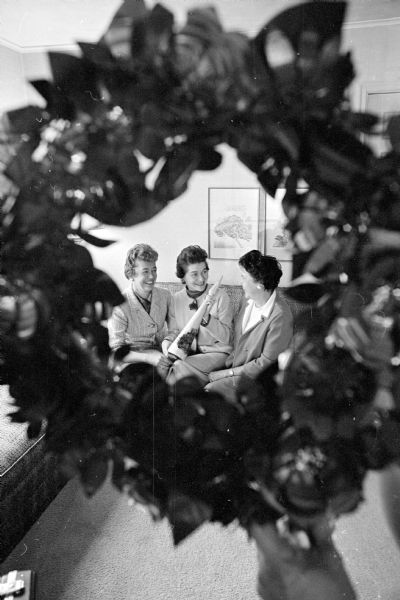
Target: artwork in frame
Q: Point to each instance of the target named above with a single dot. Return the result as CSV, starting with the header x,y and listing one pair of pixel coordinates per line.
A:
x,y
235,225
277,239
383,100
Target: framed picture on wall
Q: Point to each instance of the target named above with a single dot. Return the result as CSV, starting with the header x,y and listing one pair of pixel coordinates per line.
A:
x,y
383,100
277,240
235,221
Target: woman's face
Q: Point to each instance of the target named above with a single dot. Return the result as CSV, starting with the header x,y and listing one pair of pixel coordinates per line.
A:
x,y
250,287
196,276
144,277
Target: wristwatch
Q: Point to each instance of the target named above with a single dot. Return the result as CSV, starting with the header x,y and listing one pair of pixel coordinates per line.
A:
x,y
205,320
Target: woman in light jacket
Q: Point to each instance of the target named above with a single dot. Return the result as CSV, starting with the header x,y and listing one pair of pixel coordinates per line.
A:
x,y
145,321
263,328
212,344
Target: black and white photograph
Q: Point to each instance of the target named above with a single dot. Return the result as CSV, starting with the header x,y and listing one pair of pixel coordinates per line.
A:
x,y
200,299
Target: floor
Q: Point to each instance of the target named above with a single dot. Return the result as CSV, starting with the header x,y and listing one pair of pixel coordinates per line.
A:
x,y
103,548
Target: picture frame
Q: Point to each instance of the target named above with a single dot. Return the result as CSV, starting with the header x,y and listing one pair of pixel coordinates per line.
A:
x,y
277,240
383,100
236,219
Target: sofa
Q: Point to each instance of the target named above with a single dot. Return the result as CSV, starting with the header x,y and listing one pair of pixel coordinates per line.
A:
x,y
29,480
235,293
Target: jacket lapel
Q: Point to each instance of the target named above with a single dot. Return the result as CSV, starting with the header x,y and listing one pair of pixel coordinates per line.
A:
x,y
136,306
155,307
263,321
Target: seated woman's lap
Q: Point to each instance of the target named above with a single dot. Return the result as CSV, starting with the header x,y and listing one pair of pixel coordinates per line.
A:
x,y
197,365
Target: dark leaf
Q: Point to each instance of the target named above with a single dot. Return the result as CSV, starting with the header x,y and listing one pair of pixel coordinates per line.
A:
x,y
132,9
186,514
223,415
99,54
91,239
121,352
306,292
364,122
34,429
324,19
58,104
393,131
152,35
76,79
209,159
150,143
94,472
26,120
174,176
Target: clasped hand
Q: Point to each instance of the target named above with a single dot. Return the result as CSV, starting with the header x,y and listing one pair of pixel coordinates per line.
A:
x,y
158,359
216,375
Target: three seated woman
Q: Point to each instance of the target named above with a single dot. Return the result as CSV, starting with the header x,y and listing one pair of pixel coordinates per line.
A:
x,y
222,351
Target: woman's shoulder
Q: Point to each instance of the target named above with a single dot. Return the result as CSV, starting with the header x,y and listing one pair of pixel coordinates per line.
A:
x,y
179,293
282,305
162,293
127,293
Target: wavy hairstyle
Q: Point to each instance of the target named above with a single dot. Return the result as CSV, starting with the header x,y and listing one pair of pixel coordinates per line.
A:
x,y
189,256
264,268
141,252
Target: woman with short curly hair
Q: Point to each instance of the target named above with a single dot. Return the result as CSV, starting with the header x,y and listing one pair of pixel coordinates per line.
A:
x,y
263,328
212,343
139,323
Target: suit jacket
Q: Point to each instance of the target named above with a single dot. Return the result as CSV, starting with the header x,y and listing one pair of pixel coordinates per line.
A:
x,y
131,324
260,346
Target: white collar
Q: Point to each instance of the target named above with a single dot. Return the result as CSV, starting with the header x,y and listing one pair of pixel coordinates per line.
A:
x,y
266,309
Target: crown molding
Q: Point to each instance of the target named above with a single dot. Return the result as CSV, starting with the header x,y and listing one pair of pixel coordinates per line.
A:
x,y
369,23
38,48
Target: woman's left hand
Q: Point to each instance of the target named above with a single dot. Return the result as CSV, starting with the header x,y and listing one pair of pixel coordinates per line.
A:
x,y
165,344
216,375
209,300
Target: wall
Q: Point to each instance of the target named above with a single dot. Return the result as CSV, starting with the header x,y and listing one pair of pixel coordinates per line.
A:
x,y
15,91
183,222
375,50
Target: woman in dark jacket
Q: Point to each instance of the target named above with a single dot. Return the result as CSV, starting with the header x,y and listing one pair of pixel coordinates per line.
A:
x,y
263,328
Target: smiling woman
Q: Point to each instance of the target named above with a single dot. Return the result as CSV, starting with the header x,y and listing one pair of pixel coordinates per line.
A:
x,y
137,327
210,344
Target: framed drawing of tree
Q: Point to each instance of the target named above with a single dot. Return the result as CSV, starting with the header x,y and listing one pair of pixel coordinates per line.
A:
x,y
235,221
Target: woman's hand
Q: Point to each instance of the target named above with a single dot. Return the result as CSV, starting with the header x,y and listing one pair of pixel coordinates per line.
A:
x,y
216,375
159,361
209,300
156,358
165,344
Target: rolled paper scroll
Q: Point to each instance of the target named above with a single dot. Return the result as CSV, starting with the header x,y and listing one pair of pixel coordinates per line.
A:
x,y
180,347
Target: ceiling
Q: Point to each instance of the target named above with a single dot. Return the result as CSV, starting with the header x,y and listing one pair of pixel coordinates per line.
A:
x,y
32,25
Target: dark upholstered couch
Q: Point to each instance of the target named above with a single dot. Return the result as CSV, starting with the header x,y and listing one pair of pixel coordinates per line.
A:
x,y
28,478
